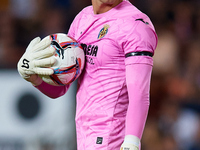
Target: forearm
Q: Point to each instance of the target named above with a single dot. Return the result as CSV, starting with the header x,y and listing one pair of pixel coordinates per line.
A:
x,y
52,91
138,84
136,118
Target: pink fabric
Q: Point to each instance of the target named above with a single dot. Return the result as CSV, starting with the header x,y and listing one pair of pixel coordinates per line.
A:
x,y
138,78
111,84
52,91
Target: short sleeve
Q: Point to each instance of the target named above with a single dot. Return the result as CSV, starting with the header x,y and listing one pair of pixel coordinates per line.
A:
x,y
140,37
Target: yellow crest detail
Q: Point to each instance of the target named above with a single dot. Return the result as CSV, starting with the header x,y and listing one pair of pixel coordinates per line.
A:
x,y
103,31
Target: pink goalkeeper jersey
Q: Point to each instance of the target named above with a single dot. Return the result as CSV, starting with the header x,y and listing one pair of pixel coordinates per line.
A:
x,y
111,83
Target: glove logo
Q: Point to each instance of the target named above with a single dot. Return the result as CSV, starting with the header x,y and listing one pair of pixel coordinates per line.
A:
x,y
25,64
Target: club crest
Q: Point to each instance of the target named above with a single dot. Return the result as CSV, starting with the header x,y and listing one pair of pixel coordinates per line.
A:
x,y
103,31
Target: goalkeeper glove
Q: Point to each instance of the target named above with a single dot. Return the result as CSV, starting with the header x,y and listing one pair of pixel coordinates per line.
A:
x,y
130,143
36,60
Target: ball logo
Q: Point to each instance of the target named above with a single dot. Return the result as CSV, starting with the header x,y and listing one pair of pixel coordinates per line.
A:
x,y
58,48
103,31
61,47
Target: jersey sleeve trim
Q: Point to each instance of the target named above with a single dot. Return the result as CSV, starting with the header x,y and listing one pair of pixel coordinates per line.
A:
x,y
141,53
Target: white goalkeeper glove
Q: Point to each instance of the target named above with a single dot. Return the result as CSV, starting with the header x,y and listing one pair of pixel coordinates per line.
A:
x,y
130,143
36,60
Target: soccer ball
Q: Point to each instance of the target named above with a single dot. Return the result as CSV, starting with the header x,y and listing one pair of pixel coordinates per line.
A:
x,y
70,59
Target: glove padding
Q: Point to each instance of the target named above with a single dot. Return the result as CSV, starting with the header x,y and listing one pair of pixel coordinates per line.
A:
x,y
131,142
37,58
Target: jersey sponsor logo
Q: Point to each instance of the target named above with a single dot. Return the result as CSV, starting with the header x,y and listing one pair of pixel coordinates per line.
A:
x,y
103,31
89,60
90,50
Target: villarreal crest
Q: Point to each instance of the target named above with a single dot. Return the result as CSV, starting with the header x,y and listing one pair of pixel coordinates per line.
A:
x,y
103,31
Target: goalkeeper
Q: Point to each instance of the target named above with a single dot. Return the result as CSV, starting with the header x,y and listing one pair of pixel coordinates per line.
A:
x,y
113,90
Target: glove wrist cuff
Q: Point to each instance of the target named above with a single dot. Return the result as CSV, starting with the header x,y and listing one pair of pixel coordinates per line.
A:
x,y
131,139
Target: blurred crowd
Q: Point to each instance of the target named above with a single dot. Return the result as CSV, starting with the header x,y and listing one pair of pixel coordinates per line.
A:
x,y
23,20
174,115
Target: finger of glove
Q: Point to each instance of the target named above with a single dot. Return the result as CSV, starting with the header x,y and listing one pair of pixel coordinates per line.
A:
x,y
33,43
23,73
43,71
44,43
46,62
29,72
47,52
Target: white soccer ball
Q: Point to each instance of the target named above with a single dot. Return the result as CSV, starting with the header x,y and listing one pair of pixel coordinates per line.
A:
x,y
70,59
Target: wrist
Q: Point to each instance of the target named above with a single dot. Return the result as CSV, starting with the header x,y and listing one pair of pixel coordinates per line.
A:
x,y
35,80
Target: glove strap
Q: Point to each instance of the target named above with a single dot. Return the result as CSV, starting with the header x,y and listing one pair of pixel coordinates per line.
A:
x,y
131,139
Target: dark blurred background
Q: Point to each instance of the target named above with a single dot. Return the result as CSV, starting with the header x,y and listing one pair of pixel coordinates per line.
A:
x,y
173,122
